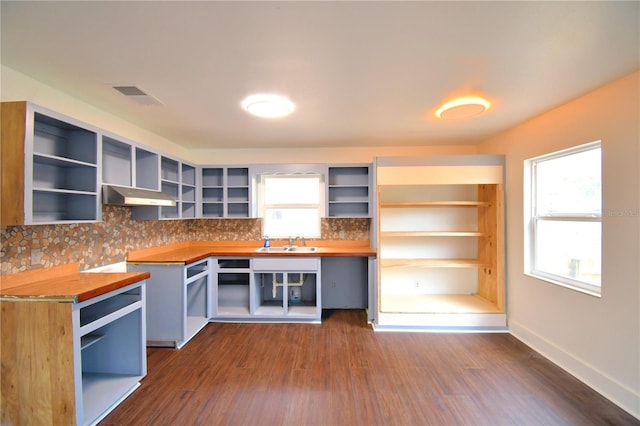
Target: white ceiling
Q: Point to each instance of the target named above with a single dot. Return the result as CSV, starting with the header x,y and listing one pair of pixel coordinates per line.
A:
x,y
360,73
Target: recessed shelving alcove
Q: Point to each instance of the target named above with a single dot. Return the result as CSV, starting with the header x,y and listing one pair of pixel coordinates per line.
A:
x,y
440,249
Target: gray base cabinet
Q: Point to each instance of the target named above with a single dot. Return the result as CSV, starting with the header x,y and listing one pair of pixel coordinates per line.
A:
x,y
275,289
178,301
345,282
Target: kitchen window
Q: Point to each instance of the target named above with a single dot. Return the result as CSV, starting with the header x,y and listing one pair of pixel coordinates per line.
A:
x,y
290,205
563,234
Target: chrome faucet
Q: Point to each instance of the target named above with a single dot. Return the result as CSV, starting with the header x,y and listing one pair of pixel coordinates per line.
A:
x,y
292,241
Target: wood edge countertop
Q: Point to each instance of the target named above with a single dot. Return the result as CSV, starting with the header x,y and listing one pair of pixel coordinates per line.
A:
x,y
193,251
64,283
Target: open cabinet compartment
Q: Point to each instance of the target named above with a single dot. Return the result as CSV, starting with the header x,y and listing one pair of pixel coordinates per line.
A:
x,y
233,280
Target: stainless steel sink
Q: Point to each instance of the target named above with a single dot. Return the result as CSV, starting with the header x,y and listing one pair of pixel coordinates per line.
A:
x,y
273,249
303,249
290,249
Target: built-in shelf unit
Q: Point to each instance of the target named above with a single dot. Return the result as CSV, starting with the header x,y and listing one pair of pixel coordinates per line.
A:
x,y
440,242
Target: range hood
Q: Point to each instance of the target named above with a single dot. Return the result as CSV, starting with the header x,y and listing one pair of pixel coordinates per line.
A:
x,y
125,196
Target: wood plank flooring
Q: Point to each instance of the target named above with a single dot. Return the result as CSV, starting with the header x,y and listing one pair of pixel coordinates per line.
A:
x,y
344,373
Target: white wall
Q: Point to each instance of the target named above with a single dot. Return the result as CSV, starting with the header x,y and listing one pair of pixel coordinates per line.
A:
x,y
20,87
334,155
596,339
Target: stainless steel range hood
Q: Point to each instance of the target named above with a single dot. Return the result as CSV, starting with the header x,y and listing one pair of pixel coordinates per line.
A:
x,y
124,196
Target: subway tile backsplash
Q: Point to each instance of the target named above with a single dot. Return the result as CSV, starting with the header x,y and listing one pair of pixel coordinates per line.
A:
x,y
106,242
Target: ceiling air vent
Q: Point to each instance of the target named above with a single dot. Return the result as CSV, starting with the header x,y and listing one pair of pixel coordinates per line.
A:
x,y
137,95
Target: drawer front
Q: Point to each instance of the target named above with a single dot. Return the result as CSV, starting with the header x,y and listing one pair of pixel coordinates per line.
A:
x,y
286,264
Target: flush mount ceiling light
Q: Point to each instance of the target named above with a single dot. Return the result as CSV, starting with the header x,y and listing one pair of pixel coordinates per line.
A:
x,y
268,106
464,107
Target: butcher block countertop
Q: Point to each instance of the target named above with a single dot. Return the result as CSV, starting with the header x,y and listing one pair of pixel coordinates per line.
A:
x,y
193,251
64,283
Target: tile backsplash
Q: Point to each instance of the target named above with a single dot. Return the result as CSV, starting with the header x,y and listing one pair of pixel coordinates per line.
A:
x,y
106,242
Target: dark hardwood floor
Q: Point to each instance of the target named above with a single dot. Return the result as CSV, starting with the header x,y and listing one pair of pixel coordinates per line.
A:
x,y
343,373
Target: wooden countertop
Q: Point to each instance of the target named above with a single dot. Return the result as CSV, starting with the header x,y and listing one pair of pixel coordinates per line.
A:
x,y
64,283
193,251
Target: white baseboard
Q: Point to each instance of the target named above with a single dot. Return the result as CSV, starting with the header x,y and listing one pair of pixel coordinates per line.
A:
x,y
619,394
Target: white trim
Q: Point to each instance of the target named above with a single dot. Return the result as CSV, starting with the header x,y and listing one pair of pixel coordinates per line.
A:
x,y
531,218
621,395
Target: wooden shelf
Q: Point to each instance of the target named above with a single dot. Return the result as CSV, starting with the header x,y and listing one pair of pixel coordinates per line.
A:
x,y
440,230
432,234
422,204
431,263
437,303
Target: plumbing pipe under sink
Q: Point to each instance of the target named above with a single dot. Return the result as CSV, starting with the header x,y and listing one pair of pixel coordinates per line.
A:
x,y
275,284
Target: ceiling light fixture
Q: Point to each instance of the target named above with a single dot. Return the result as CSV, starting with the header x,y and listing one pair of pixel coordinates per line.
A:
x,y
268,106
464,107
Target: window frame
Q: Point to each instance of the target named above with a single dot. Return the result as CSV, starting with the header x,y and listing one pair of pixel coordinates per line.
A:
x,y
263,206
533,218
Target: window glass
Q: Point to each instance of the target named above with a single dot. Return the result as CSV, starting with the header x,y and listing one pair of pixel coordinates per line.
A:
x,y
569,184
290,205
564,221
569,249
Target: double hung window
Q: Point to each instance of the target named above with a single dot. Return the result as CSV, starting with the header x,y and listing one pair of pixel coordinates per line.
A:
x,y
564,209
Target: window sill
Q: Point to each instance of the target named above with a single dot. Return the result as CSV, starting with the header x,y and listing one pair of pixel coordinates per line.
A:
x,y
565,285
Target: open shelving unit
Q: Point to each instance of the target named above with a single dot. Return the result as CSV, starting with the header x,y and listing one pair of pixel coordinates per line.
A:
x,y
147,169
188,191
112,353
238,192
117,162
348,191
64,170
225,192
170,185
175,178
212,192
440,242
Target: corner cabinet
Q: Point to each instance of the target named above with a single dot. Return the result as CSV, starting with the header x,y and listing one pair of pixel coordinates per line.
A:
x,y
440,242
50,167
226,192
